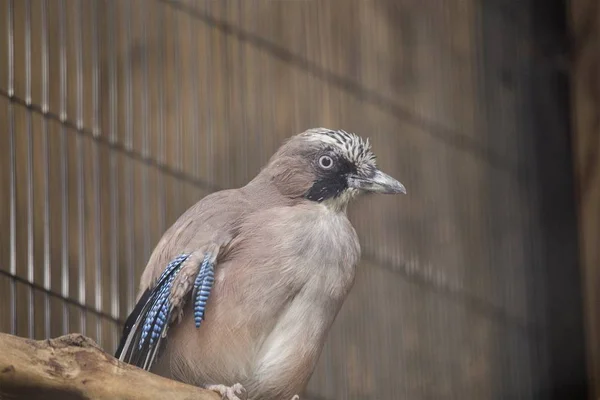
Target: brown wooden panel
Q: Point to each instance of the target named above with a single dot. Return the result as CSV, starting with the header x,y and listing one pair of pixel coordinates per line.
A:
x,y
585,84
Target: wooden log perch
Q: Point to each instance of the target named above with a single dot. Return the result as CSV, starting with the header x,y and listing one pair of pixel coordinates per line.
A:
x,y
74,367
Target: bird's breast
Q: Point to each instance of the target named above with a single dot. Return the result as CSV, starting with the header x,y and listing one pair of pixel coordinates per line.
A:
x,y
276,294
298,246
299,266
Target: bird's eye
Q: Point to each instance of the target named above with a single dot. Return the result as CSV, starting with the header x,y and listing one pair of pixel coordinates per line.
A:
x,y
325,162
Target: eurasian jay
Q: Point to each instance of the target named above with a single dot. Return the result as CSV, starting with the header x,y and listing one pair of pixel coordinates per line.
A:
x,y
248,281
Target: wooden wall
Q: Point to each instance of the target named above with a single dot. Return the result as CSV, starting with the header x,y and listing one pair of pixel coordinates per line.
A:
x,y
118,115
585,84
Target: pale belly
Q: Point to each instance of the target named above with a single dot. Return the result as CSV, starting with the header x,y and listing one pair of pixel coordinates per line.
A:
x,y
271,351
268,317
288,355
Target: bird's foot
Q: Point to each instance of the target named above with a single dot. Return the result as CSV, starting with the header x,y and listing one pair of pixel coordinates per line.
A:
x,y
235,392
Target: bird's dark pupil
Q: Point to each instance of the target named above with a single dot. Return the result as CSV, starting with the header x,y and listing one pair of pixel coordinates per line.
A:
x,y
326,161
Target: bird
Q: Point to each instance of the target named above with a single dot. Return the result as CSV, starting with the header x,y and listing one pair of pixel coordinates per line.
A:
x,y
241,291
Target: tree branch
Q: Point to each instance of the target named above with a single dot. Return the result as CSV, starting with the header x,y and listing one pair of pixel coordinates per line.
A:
x,y
73,367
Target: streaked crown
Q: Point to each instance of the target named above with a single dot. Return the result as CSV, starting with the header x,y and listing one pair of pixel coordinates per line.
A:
x,y
354,148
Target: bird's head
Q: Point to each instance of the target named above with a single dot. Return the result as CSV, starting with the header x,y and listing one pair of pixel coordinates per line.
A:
x,y
329,167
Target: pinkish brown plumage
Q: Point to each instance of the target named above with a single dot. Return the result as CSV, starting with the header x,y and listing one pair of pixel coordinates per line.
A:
x,y
281,253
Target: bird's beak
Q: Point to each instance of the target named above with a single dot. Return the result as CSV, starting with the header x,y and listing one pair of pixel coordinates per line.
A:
x,y
377,183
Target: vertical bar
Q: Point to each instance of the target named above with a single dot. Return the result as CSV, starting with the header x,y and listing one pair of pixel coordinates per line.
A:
x,y
145,117
243,108
225,114
129,171
63,60
28,52
178,144
45,58
145,145
114,187
79,63
46,188
81,230
80,166
30,227
161,127
98,236
128,82
269,71
178,133
256,82
114,229
29,163
112,74
129,239
45,161
65,227
96,173
159,63
13,219
208,94
95,73
195,96
64,166
11,47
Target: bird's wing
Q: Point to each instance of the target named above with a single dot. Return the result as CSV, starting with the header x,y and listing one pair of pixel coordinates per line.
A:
x,y
194,243
158,307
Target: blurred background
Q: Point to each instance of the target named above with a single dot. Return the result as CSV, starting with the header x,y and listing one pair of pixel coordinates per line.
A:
x,y
116,116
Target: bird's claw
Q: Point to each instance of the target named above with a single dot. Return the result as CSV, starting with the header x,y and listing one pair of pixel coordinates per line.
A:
x,y
296,397
234,392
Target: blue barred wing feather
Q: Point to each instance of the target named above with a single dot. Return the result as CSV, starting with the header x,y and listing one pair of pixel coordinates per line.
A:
x,y
148,323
